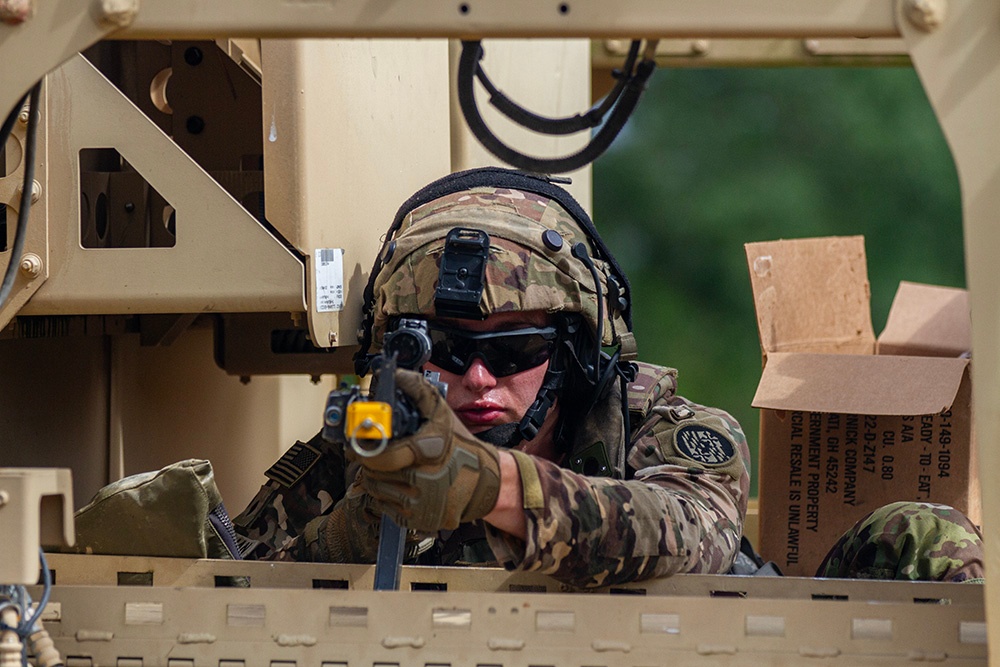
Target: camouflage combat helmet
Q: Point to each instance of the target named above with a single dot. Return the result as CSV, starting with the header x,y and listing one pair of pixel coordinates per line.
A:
x,y
533,227
495,240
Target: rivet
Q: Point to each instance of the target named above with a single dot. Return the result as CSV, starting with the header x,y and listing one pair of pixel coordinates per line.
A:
x,y
129,207
699,47
4,498
552,240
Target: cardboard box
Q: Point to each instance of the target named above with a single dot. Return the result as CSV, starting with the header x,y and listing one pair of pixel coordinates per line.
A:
x,y
845,430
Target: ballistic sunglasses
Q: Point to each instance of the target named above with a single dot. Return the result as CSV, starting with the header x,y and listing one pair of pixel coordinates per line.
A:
x,y
502,352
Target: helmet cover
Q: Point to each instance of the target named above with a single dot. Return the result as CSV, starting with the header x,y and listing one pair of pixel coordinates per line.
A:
x,y
528,268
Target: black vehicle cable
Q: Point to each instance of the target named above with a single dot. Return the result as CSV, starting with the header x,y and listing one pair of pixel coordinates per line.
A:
x,y
568,124
29,178
620,102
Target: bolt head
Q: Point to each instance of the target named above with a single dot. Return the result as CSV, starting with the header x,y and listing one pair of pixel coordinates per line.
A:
x,y
16,12
36,190
31,265
119,12
927,15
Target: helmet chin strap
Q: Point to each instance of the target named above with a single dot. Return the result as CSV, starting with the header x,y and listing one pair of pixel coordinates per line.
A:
x,y
512,434
535,415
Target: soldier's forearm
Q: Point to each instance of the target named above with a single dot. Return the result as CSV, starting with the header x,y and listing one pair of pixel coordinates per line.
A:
x,y
620,531
508,514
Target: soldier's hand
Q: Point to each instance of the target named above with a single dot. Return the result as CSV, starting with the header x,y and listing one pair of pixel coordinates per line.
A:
x,y
349,534
440,476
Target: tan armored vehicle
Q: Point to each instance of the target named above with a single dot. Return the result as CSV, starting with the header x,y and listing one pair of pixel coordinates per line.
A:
x,y
207,188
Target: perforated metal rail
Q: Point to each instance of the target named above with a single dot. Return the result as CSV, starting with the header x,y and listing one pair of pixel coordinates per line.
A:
x,y
134,612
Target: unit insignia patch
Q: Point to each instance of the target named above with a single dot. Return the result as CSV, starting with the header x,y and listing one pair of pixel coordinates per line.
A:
x,y
705,445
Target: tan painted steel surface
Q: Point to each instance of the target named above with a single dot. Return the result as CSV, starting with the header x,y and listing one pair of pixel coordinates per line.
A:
x,y
192,626
177,404
735,52
352,128
956,55
54,34
959,65
80,570
223,259
36,506
517,18
37,239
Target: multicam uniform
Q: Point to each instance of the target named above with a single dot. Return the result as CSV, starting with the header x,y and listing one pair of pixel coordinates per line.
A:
x,y
909,541
680,510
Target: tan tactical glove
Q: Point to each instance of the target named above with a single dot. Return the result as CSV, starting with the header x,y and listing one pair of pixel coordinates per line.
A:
x,y
349,534
440,476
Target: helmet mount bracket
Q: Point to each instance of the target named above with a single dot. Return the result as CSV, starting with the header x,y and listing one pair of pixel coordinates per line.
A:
x,y
462,273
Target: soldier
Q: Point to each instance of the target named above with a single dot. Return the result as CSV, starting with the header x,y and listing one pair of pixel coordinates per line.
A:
x,y
559,453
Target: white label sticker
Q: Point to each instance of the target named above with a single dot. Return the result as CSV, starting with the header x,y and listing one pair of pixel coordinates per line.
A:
x,y
329,279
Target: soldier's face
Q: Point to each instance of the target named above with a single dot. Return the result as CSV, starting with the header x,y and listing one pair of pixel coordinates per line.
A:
x,y
481,400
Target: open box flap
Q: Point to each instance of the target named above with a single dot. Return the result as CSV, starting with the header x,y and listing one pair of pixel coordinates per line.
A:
x,y
859,384
812,295
927,320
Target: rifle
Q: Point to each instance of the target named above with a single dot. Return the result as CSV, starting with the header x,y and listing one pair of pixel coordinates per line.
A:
x,y
368,424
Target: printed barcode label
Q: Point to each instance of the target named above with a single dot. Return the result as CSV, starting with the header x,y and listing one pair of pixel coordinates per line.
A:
x,y
329,279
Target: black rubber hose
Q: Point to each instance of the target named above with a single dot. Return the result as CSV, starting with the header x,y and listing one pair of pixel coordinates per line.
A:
x,y
557,126
632,91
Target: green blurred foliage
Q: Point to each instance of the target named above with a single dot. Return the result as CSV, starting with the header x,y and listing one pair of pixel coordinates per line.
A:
x,y
714,158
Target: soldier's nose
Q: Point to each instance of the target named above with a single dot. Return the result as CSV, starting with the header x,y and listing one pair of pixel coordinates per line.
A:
x,y
478,377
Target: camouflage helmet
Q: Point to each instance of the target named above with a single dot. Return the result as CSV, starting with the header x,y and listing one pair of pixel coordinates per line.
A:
x,y
533,227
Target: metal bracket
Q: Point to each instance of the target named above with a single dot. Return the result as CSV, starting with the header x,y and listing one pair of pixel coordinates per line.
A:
x,y
36,507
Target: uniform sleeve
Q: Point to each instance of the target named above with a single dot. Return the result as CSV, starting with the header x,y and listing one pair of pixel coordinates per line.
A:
x,y
283,519
681,511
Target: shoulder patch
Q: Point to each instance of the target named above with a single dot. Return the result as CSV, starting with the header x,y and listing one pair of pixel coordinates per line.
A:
x,y
294,464
705,445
